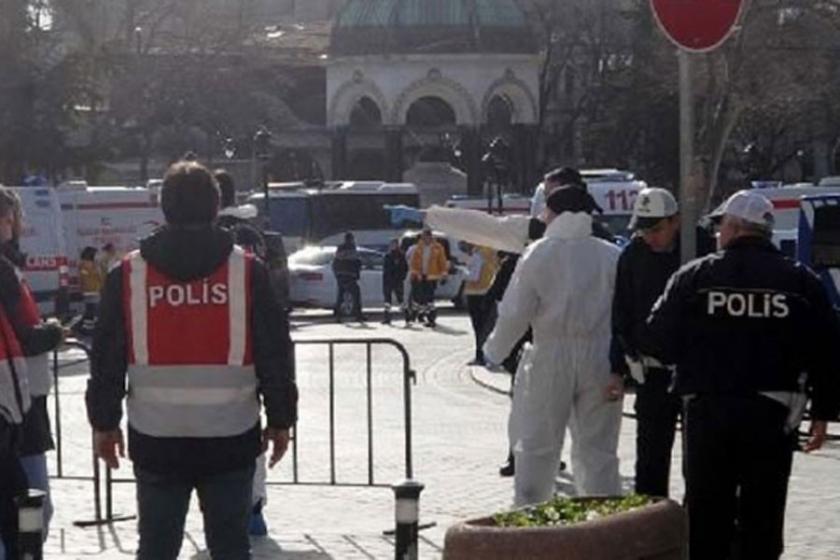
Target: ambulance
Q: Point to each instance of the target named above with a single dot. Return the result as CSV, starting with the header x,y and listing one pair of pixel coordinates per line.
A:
x,y
43,242
99,216
819,240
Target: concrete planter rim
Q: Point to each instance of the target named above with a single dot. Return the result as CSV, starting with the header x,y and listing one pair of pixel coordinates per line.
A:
x,y
488,523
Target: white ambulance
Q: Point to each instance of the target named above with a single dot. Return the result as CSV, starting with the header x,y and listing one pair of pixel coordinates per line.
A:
x,y
99,216
43,242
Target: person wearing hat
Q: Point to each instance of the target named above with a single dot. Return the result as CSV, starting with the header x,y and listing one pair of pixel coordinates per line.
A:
x,y
753,336
644,267
562,288
191,335
510,234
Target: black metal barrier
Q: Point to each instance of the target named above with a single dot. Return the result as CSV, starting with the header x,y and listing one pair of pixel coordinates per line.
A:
x,y
408,377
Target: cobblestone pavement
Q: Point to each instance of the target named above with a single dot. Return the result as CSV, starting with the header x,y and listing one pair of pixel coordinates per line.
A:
x,y
459,418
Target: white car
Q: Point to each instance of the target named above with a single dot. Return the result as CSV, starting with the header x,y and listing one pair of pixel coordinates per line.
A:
x,y
312,282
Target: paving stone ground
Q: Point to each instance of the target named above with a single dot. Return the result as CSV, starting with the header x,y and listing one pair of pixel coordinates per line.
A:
x,y
459,416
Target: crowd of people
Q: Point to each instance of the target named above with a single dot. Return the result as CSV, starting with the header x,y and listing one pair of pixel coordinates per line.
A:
x,y
425,262
733,343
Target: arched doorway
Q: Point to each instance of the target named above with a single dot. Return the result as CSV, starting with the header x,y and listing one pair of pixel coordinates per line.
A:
x,y
430,112
367,151
499,113
365,114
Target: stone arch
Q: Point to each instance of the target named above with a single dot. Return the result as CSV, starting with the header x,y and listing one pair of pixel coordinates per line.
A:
x,y
522,100
435,85
349,94
365,114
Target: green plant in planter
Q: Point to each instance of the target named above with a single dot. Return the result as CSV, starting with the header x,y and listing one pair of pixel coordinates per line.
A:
x,y
567,511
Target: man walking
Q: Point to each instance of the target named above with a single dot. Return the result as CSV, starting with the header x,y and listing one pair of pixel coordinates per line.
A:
x,y
394,270
191,321
752,334
644,267
562,288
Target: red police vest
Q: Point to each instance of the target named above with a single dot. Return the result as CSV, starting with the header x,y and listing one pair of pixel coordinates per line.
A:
x,y
191,371
14,386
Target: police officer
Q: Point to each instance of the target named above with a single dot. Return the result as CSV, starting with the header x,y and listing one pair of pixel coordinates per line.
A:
x,y
751,333
644,267
191,320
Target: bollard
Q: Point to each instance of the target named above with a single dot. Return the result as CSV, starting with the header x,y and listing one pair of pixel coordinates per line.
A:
x,y
407,494
30,508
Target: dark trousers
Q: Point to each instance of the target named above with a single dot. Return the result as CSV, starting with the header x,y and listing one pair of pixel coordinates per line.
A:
x,y
478,308
12,483
348,285
738,461
393,291
163,501
657,411
423,292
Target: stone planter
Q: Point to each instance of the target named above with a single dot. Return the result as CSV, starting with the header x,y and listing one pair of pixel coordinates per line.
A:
x,y
655,532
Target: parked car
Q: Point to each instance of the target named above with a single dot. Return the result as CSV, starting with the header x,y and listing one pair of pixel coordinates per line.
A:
x,y
312,282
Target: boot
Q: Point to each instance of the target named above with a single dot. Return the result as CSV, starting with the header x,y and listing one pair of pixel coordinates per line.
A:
x,y
509,467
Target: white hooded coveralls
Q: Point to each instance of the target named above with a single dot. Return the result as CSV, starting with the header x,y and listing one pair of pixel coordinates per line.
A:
x,y
562,288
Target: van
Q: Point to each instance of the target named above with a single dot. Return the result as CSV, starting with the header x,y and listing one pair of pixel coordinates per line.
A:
x,y
43,242
99,216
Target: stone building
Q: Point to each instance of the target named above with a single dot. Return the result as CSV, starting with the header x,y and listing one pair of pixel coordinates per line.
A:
x,y
409,80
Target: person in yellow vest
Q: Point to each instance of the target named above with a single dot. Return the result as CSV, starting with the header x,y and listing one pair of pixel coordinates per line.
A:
x,y
90,282
482,265
428,265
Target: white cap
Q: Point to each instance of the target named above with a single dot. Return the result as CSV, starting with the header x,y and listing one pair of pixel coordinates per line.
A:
x,y
652,204
749,206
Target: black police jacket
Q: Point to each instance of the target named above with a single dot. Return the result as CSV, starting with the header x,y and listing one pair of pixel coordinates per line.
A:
x,y
747,320
640,279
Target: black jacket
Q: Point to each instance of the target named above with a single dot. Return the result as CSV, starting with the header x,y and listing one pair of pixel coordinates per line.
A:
x,y
347,263
640,279
394,269
747,320
245,234
34,340
187,254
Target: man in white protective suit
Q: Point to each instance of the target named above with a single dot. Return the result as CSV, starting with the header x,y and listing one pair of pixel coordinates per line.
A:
x,y
562,289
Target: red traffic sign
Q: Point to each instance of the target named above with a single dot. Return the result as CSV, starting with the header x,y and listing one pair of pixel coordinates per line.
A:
x,y
697,25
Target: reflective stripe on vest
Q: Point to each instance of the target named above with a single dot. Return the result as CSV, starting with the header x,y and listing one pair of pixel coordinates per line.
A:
x,y
190,370
38,367
14,385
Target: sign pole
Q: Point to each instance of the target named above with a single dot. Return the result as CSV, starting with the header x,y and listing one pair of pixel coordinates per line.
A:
x,y
688,186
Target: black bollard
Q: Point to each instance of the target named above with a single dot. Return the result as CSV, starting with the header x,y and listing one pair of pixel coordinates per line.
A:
x,y
407,494
30,507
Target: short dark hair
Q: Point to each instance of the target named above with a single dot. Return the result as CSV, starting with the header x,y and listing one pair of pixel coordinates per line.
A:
x,y
565,176
226,186
190,194
88,253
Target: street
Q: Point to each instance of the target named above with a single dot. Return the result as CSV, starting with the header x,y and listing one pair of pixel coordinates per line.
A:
x,y
459,432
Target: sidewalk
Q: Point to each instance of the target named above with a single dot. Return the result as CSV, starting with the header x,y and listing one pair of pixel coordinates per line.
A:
x,y
459,440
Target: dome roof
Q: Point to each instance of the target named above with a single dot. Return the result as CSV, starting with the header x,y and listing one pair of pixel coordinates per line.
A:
x,y
431,26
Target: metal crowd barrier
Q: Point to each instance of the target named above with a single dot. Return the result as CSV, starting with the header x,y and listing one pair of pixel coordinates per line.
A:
x,y
408,377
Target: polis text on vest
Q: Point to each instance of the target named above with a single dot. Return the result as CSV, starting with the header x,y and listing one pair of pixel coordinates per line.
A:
x,y
751,305
177,295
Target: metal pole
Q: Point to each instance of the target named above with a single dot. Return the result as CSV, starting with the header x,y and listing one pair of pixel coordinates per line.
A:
x,y
407,495
688,187
59,457
370,413
30,508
